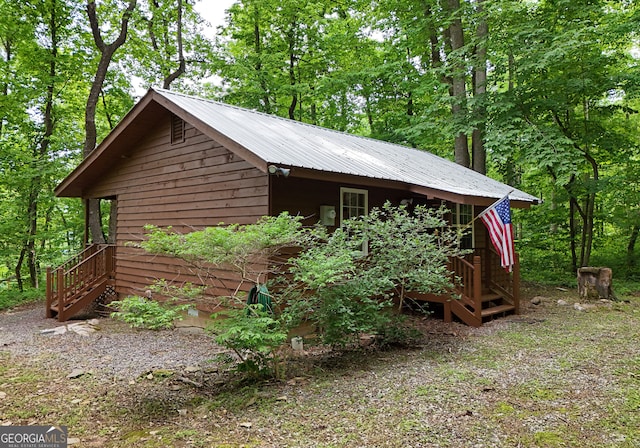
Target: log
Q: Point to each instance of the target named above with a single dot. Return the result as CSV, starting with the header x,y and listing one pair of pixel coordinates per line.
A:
x,y
595,282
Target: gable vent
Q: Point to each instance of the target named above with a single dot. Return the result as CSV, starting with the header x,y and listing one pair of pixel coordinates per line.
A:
x,y
177,129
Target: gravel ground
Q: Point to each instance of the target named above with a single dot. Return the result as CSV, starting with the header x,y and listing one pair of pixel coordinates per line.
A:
x,y
110,351
554,376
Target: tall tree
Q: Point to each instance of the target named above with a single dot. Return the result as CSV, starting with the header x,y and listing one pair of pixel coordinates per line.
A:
x,y
571,75
456,57
107,51
478,152
172,29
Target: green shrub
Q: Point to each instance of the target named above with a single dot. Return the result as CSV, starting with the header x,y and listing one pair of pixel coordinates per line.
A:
x,y
140,312
12,297
254,334
343,290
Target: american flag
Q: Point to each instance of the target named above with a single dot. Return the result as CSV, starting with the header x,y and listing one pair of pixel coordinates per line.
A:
x,y
497,219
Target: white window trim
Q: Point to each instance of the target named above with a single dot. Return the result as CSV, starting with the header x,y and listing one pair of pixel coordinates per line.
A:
x,y
343,190
455,218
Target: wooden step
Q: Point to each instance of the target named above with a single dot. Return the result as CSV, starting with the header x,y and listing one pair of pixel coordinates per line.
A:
x,y
497,310
490,297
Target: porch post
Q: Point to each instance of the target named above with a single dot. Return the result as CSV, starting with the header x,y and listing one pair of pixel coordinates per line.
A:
x,y
49,292
516,284
477,286
59,292
86,223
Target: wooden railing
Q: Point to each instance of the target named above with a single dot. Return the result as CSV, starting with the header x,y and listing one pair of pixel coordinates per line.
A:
x,y
468,283
498,280
68,282
478,279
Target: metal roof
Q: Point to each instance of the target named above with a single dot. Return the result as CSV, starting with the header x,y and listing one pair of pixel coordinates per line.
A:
x,y
281,141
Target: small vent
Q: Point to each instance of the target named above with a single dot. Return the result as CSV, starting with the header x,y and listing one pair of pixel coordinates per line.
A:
x,y
177,130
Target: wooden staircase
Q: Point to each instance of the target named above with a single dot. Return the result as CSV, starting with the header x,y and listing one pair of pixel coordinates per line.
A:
x,y
482,291
80,281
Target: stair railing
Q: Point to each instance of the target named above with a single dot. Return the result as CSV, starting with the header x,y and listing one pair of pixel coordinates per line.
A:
x,y
468,282
502,282
68,281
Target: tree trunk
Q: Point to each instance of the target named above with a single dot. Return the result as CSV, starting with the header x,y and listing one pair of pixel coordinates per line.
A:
x,y
113,220
106,55
292,73
633,238
458,86
18,269
40,154
480,89
258,65
95,222
182,67
573,233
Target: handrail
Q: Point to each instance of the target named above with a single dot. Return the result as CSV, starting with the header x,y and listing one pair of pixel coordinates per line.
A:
x,y
471,278
501,281
65,284
77,258
467,278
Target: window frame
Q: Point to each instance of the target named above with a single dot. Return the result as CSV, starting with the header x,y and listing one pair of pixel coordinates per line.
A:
x,y
456,213
358,191
365,245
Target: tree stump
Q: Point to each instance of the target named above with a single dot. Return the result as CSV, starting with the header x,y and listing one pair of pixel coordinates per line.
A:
x,y
594,282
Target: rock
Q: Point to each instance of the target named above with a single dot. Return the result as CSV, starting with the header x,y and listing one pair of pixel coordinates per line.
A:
x,y
562,302
246,425
72,440
584,306
81,328
3,395
192,369
537,300
76,373
367,339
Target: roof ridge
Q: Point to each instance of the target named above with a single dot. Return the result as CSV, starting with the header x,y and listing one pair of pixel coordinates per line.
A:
x,y
289,120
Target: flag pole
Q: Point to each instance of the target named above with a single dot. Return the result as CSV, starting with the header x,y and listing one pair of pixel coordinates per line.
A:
x,y
470,223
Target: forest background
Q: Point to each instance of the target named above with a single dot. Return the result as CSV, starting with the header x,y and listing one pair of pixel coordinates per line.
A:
x,y
543,95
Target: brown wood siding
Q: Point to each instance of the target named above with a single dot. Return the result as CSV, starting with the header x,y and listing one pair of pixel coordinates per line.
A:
x,y
188,185
305,196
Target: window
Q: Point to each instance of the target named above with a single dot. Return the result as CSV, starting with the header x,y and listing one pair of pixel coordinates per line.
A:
x,y
462,215
354,203
177,129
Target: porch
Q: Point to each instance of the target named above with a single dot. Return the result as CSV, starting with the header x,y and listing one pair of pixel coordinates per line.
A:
x,y
485,289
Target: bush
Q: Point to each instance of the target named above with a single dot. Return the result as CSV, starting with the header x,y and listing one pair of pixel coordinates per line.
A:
x,y
332,282
253,333
347,291
12,297
140,312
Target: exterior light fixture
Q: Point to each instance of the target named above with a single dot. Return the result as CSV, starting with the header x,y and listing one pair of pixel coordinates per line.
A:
x,y
279,171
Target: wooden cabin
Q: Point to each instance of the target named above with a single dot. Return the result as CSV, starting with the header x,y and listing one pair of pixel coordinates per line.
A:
x,y
187,162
